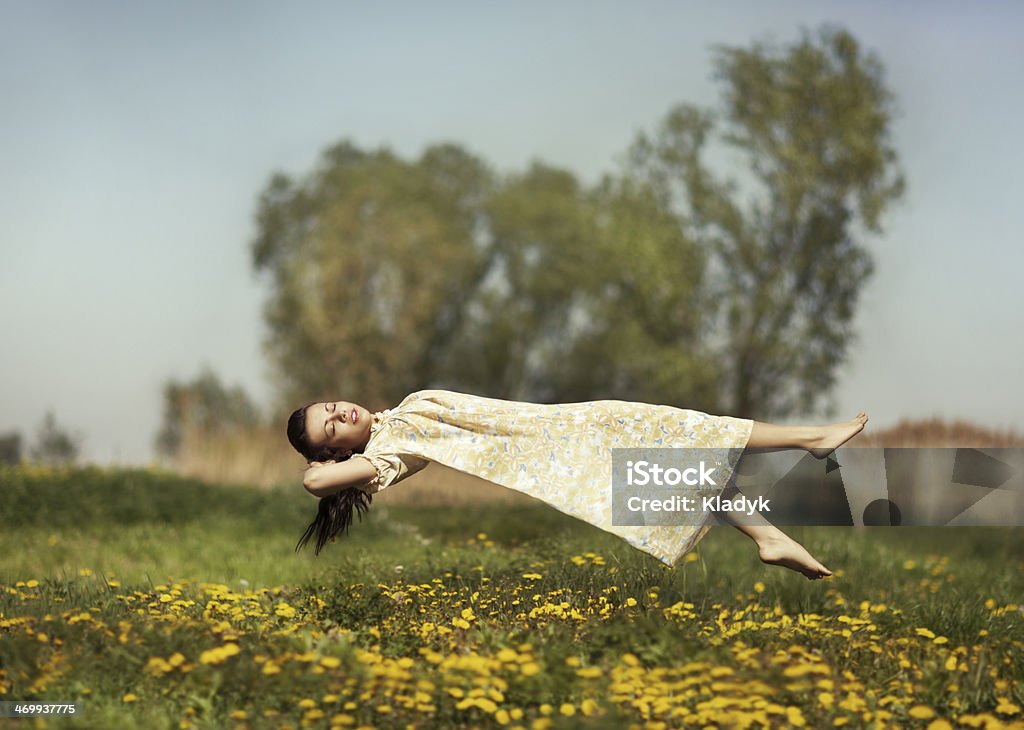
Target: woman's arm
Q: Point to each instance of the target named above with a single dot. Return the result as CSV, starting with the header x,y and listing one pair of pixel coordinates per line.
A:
x,y
323,480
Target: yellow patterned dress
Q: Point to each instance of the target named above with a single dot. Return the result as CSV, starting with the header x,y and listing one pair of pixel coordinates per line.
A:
x,y
559,453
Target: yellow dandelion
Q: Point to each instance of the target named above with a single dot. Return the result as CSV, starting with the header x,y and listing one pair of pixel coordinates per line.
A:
x,y
795,717
921,712
158,665
1005,707
567,709
129,698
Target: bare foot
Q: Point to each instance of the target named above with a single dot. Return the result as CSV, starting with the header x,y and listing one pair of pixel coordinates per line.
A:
x,y
835,435
790,554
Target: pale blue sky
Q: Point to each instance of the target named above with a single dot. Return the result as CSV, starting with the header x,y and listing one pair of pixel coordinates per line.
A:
x,y
134,140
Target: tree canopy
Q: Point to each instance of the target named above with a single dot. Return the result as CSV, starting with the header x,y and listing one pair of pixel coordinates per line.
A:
x,y
665,282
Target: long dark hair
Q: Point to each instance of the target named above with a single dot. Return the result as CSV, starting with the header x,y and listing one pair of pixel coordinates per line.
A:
x,y
334,513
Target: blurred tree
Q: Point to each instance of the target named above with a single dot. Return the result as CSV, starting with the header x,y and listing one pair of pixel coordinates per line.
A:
x,y
54,445
786,269
648,335
592,294
202,406
657,285
371,260
10,448
518,321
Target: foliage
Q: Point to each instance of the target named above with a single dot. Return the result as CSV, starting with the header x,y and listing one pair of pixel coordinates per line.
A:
x,y
10,448
656,284
203,407
813,123
55,445
371,260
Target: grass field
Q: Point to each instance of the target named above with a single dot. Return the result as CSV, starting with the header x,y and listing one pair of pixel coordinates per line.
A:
x,y
155,601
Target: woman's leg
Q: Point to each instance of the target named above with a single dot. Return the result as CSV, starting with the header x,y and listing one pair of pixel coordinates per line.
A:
x,y
775,547
819,440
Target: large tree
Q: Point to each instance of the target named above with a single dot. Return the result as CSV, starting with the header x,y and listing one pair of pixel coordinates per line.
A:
x,y
371,260
662,284
593,293
812,123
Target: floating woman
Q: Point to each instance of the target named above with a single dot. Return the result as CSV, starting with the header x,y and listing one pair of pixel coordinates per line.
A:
x,y
559,453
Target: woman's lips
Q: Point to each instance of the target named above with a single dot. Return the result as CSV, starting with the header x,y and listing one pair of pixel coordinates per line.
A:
x,y
355,415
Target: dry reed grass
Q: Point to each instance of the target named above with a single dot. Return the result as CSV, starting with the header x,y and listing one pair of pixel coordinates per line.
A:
x,y
263,458
936,432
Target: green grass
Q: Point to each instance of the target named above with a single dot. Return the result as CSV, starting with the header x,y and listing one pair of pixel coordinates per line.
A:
x,y
131,548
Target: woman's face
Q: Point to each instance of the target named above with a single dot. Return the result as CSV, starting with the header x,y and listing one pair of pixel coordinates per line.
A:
x,y
338,424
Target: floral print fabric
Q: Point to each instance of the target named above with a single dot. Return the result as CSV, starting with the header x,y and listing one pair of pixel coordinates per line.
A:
x,y
559,453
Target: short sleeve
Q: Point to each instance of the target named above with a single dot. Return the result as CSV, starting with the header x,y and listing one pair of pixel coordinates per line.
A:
x,y
391,468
